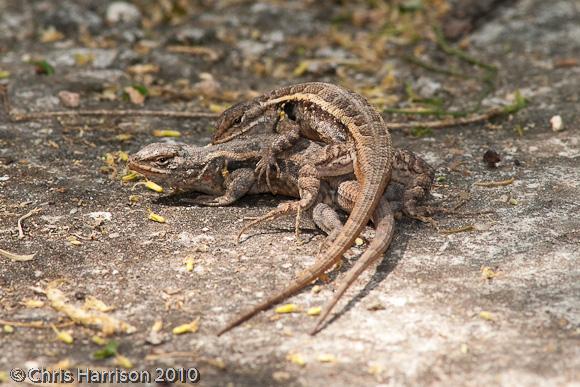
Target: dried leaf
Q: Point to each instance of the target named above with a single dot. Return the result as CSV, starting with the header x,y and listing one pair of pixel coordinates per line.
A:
x,y
98,340
15,257
82,59
153,186
141,69
189,262
296,359
50,35
326,358
123,361
123,137
93,303
156,218
157,326
107,324
287,308
73,240
192,327
314,311
135,96
486,316
206,52
488,273
217,363
63,336
131,176
122,156
217,108
166,133
33,303
110,159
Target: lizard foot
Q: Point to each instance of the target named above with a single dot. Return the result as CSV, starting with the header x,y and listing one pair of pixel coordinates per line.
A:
x,y
283,209
264,166
210,201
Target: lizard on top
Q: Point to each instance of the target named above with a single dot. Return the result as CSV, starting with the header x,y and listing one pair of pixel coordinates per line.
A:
x,y
349,126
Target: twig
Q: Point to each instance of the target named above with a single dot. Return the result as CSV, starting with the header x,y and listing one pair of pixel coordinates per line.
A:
x,y
165,355
448,122
454,51
437,69
27,215
4,100
35,324
16,117
467,228
424,112
489,184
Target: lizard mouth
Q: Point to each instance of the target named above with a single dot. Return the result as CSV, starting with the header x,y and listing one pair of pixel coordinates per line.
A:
x,y
146,169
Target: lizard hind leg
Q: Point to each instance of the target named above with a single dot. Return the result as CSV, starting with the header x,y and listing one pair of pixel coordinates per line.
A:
x,y
283,209
308,187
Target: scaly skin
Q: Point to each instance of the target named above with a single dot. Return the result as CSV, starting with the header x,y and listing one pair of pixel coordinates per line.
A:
x,y
201,169
364,132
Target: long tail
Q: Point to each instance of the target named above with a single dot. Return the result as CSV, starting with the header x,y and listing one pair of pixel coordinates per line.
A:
x,y
304,279
383,236
372,168
371,192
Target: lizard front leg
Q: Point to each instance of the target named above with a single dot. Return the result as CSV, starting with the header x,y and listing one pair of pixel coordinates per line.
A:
x,y
280,143
238,184
308,187
330,161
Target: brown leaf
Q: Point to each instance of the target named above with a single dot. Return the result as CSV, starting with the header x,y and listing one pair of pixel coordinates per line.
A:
x,y
134,95
147,68
69,99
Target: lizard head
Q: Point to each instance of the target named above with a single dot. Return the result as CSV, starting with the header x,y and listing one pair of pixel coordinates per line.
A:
x,y
240,119
177,166
158,161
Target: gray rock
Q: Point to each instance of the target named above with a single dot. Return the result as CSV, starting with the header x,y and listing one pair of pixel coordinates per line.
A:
x,y
426,87
193,35
122,12
67,19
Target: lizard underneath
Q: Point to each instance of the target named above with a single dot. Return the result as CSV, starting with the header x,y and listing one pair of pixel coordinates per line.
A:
x,y
189,168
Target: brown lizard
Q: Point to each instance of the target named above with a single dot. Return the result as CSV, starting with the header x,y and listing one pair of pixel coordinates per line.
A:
x,y
349,125
189,168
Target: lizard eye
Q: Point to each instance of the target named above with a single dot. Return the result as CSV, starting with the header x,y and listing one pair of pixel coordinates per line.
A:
x,y
162,161
238,120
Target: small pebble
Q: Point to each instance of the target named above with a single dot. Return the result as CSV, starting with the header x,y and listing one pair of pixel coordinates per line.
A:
x,y
69,99
557,124
491,158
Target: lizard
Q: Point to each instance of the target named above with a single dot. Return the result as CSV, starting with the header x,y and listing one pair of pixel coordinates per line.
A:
x,y
189,168
350,126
